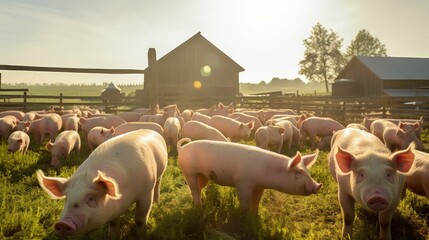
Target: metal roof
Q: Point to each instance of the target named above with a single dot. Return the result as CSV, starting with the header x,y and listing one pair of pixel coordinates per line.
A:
x,y
397,68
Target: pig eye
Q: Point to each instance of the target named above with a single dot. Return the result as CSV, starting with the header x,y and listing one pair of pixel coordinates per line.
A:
x,y
76,205
92,201
390,176
360,176
299,173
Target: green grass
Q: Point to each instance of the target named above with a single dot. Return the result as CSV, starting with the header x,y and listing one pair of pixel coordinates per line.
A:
x,y
28,212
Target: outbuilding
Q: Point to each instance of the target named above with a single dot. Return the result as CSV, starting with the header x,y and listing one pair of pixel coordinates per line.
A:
x,y
196,67
381,76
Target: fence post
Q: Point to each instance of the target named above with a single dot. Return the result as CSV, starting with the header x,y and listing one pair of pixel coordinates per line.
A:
x,y
24,101
61,99
153,78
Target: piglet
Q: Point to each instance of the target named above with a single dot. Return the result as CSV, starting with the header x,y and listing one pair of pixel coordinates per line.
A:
x,y
98,135
196,130
368,173
231,128
18,142
124,170
270,136
65,142
249,169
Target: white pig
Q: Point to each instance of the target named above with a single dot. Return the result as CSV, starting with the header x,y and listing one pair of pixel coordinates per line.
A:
x,y
124,170
313,127
132,126
231,128
172,131
72,123
249,169
418,182
196,130
18,142
270,136
65,142
8,124
98,135
49,124
369,174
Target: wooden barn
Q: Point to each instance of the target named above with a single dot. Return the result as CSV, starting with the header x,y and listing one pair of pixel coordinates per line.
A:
x,y
381,76
196,67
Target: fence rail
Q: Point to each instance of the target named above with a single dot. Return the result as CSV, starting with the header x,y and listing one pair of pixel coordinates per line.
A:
x,y
346,110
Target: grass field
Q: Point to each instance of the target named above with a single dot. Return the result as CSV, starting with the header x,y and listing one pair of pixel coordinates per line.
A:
x,y
28,212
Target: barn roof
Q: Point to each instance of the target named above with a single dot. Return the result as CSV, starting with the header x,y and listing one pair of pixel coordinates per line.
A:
x,y
397,68
193,39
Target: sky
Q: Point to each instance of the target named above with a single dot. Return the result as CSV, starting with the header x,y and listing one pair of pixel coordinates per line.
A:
x,y
264,37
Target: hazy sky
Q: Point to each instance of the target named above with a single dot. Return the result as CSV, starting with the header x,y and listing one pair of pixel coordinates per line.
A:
x,y
264,37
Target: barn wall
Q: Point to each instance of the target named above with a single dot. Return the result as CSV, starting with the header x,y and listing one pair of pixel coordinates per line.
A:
x,y
369,84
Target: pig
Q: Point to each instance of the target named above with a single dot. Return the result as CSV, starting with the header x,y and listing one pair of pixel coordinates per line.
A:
x,y
50,124
201,117
231,128
368,173
172,131
249,169
65,142
313,127
418,182
98,135
171,110
148,111
367,123
18,114
65,117
124,170
196,130
223,110
270,136
206,111
8,124
112,121
266,114
187,115
324,143
130,116
357,126
18,142
132,126
243,117
72,123
86,124
157,118
291,136
396,136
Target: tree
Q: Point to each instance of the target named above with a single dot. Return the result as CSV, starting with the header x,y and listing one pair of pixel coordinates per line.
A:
x,y
322,57
365,45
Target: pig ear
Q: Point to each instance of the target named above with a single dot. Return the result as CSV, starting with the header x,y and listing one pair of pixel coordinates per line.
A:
x,y
405,160
54,186
310,159
49,145
343,161
295,160
251,124
112,130
111,187
416,125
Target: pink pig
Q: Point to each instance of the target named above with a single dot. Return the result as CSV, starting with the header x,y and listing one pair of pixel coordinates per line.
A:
x,y
418,182
132,126
313,127
130,116
8,124
18,142
369,174
249,169
65,142
267,136
231,128
49,124
98,135
196,130
88,123
122,171
72,123
172,131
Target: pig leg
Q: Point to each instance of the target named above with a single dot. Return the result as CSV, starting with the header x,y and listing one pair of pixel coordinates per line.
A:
x,y
347,204
245,196
156,191
143,206
256,198
385,218
114,231
196,183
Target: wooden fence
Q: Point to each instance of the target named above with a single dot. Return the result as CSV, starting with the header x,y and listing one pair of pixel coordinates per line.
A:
x,y
346,110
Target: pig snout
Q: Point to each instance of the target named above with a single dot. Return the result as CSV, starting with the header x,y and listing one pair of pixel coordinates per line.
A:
x,y
377,201
66,226
312,188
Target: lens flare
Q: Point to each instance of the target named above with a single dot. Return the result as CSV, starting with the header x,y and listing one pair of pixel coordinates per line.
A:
x,y
197,84
206,71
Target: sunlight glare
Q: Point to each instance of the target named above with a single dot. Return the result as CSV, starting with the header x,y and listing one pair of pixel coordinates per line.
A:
x,y
206,71
197,84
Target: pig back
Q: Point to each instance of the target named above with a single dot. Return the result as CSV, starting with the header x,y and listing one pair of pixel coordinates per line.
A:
x,y
136,160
